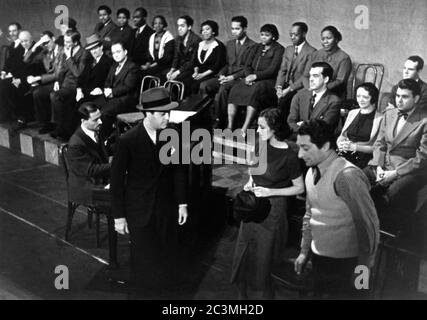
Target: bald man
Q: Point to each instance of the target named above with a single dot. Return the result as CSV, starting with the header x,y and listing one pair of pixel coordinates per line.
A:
x,y
17,91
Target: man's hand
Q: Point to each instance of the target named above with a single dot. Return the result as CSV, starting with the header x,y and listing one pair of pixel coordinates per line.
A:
x,y
16,82
261,192
300,263
299,124
56,86
43,40
3,75
32,79
182,215
380,174
96,92
79,94
121,226
388,177
226,79
279,92
108,92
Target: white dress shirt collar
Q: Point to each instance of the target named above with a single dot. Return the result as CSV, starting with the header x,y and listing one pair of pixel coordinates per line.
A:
x,y
17,42
299,47
319,95
141,28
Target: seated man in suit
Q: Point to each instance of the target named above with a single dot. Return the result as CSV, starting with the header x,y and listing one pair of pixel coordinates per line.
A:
x,y
317,102
237,54
187,43
141,37
398,168
14,55
96,72
291,74
72,65
120,89
105,27
18,91
88,159
43,84
411,70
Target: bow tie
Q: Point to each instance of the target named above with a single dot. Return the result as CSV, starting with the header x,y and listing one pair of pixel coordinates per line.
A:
x,y
403,114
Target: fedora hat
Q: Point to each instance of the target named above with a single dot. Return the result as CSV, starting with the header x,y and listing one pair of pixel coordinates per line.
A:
x,y
156,99
92,42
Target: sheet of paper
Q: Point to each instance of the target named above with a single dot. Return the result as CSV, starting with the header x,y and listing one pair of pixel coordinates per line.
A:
x,y
177,116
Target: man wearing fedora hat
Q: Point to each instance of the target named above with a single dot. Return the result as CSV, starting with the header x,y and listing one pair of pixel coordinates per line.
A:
x,y
96,73
148,197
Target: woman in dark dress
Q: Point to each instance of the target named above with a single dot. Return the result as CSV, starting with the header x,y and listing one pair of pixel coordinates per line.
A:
x,y
161,49
257,89
338,59
124,32
260,245
210,57
361,127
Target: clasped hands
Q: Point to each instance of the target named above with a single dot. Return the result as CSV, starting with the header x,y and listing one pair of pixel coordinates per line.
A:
x,y
347,146
250,79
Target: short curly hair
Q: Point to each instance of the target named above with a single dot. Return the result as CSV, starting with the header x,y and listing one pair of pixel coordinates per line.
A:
x,y
212,24
276,121
271,28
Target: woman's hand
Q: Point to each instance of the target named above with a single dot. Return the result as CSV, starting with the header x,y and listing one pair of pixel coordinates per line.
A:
x,y
250,79
262,192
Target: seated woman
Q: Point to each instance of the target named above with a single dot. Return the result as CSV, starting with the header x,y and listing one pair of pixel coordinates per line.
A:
x,y
257,89
161,50
124,32
361,127
337,58
209,60
260,245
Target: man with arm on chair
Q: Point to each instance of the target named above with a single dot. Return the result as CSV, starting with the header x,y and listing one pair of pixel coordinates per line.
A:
x,y
88,158
317,102
398,168
411,70
291,74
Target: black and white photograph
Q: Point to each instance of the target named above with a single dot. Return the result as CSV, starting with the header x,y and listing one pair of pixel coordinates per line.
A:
x,y
213,156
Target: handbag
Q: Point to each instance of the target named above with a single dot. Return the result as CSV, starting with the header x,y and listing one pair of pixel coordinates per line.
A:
x,y
249,208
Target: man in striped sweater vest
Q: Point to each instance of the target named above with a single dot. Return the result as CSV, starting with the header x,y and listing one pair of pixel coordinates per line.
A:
x,y
340,227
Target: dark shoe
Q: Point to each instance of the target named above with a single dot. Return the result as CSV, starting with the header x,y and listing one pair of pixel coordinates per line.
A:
x,y
48,127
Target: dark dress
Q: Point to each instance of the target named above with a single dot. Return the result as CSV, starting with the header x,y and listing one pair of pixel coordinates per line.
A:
x,y
123,34
260,245
266,65
215,61
360,131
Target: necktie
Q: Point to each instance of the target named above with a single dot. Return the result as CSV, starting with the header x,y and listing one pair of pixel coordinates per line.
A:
x,y
118,69
96,137
290,71
311,107
238,47
316,174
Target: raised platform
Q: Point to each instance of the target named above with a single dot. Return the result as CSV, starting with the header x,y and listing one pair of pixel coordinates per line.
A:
x,y
28,142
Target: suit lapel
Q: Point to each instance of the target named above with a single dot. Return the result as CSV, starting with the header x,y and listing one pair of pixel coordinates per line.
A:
x,y
411,124
320,106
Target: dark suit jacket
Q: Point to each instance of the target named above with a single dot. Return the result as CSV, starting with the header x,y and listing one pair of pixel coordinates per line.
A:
x,y
422,103
124,34
407,151
89,167
264,66
51,64
141,185
326,109
14,58
236,63
184,55
95,76
71,71
294,70
139,51
125,84
105,31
